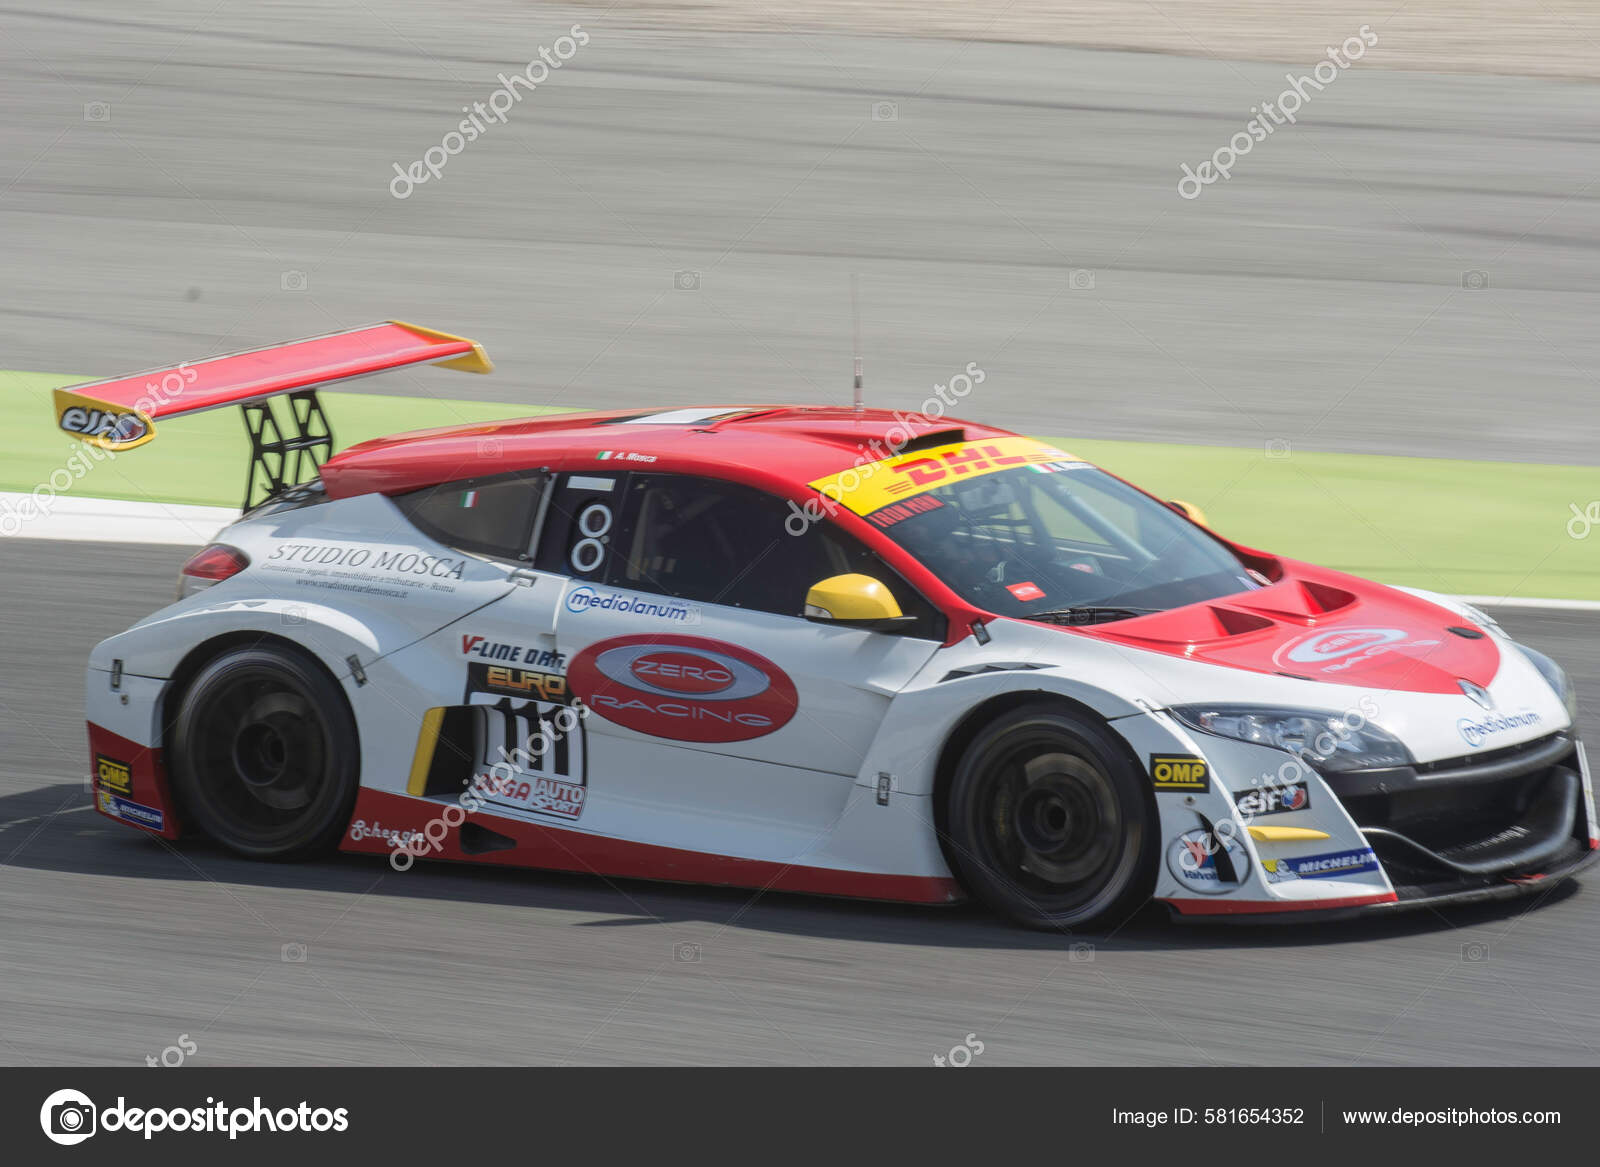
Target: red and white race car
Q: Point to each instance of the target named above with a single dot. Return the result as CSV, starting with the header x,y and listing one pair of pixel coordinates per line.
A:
x,y
813,649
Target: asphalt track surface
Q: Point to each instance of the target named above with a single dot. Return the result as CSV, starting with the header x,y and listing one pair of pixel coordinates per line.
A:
x,y
1316,298
182,178
115,945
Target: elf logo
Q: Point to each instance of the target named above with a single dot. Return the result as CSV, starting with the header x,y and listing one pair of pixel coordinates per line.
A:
x,y
685,688
104,423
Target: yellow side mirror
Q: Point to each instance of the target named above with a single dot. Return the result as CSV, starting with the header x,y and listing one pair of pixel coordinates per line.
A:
x,y
857,600
1193,513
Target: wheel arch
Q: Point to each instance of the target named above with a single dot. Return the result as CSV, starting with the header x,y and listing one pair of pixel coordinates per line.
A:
x,y
969,725
202,654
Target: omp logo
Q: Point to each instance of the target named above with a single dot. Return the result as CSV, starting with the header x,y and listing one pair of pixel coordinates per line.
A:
x,y
113,775
684,688
1180,772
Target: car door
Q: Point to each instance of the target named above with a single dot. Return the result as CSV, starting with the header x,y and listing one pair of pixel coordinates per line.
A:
x,y
711,697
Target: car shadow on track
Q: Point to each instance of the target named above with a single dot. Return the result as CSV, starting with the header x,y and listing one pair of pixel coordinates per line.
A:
x,y
53,829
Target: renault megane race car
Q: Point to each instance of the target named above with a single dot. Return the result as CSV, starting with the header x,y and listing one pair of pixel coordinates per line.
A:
x,y
813,649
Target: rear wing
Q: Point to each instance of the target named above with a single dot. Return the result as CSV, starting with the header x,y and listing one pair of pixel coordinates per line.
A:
x,y
120,414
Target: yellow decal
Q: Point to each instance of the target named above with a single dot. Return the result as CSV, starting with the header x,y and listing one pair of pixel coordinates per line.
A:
x,y
1286,835
1180,772
100,423
870,487
427,742
113,775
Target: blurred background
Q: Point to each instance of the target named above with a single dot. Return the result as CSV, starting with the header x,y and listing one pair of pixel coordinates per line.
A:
x,y
1369,343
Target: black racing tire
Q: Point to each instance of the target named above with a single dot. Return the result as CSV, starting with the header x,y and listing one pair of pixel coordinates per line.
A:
x,y
1050,822
265,757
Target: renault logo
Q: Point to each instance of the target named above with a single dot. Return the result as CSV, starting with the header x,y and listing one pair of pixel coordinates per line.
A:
x,y
1477,692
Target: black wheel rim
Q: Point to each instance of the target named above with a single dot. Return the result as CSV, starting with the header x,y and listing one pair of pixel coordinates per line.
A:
x,y
1053,827
260,756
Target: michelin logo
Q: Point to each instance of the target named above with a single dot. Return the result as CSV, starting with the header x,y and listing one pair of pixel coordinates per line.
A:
x,y
131,812
587,599
1475,732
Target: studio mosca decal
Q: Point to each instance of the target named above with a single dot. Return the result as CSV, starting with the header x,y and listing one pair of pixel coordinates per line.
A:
x,y
685,688
1180,772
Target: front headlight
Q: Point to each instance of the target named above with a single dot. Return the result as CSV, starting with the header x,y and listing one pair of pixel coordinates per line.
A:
x,y
1324,740
1556,676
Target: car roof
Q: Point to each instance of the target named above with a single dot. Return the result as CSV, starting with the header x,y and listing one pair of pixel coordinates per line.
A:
x,y
776,446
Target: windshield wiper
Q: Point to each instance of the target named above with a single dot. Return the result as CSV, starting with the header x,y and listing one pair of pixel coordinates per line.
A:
x,y
1089,614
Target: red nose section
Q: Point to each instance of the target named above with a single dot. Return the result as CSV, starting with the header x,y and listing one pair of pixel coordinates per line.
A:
x,y
1323,626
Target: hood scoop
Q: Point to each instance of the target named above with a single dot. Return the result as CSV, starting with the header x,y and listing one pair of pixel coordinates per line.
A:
x,y
1299,601
1197,626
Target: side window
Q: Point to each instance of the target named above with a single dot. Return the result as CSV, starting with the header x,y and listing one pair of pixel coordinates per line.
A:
x,y
722,543
580,525
487,516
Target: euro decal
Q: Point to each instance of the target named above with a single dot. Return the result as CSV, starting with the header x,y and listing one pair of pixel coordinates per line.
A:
x,y
684,688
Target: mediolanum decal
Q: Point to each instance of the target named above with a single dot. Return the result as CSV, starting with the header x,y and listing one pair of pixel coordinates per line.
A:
x,y
686,688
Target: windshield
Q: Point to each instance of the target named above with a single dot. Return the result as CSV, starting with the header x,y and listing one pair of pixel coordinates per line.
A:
x,y
1037,539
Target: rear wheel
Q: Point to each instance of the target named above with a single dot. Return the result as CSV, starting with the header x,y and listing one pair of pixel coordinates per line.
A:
x,y
1050,823
265,754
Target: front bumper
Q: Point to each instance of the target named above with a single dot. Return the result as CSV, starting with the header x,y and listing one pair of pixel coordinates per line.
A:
x,y
1491,826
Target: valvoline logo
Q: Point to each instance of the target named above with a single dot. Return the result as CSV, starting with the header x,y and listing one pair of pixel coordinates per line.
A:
x,y
685,688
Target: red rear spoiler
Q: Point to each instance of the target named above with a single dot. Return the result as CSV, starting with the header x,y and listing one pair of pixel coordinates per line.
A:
x,y
120,414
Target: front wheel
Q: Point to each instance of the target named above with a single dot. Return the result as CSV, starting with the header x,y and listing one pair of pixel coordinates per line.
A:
x,y
265,754
1049,823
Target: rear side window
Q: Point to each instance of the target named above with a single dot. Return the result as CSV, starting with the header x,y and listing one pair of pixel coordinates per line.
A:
x,y
724,543
486,516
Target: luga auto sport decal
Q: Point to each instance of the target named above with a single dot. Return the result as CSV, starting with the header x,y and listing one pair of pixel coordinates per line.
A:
x,y
685,688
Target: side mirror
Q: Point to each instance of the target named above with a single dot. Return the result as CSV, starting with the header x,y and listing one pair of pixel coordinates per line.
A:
x,y
856,601
1189,511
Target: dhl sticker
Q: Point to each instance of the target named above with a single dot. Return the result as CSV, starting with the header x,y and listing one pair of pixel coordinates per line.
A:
x,y
869,488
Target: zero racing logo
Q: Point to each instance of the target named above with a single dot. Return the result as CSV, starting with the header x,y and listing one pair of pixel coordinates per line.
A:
x,y
1342,648
684,688
1475,733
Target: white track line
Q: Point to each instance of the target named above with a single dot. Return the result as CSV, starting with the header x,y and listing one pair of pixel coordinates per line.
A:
x,y
105,520
109,520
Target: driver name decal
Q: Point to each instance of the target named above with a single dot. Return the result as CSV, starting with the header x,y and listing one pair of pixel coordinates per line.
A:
x,y
684,688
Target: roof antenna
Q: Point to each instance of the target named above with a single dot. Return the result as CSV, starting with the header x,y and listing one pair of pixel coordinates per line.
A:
x,y
855,321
